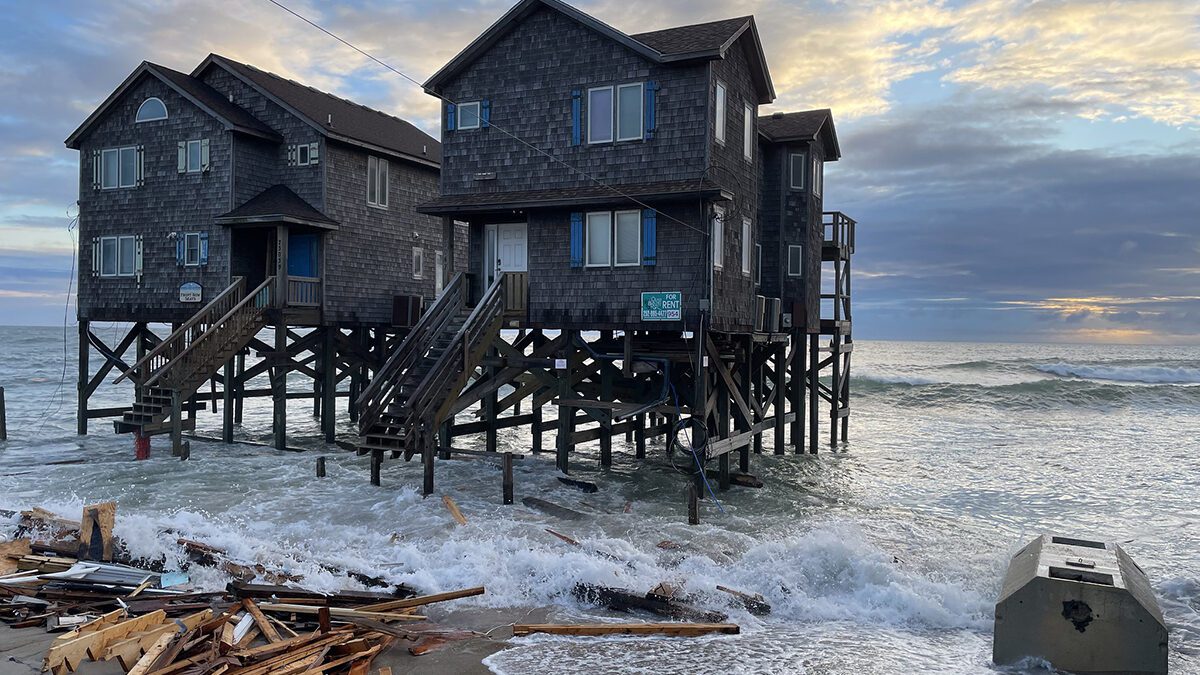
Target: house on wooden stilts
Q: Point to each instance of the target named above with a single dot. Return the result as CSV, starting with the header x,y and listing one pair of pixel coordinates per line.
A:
x,y
655,242
268,224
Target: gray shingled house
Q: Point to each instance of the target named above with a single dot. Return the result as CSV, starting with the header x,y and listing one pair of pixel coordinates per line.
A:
x,y
625,186
231,190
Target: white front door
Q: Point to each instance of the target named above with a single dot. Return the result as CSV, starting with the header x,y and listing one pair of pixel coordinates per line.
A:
x,y
506,250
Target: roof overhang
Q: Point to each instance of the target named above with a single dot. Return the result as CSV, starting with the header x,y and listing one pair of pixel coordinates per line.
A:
x,y
467,206
148,69
275,219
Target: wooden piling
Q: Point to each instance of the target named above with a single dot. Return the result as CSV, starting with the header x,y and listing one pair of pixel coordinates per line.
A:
x,y
723,430
796,391
239,390
445,438
780,404
185,451
3,418
535,430
81,411
490,409
814,397
566,414
427,454
506,464
176,424
329,384
639,435
376,465
227,404
606,386
320,467
279,369
693,502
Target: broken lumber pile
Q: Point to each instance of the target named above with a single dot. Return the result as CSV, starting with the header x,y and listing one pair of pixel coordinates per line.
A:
x,y
655,603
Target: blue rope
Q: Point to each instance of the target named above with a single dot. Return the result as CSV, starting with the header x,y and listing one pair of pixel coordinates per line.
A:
x,y
692,450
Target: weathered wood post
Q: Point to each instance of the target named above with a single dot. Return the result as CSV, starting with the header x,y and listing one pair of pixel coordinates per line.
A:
x,y
239,388
329,384
796,391
227,404
376,464
320,467
693,502
185,451
506,463
176,424
279,370
565,413
742,375
781,396
606,387
814,395
535,429
425,438
490,406
639,435
723,431
445,438
81,410
3,418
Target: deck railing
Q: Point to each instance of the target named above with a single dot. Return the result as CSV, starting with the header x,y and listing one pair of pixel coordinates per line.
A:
x,y
386,383
838,229
304,291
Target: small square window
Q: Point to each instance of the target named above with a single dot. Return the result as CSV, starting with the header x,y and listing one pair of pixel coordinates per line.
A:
x,y
795,260
193,157
599,239
418,263
468,115
628,238
191,249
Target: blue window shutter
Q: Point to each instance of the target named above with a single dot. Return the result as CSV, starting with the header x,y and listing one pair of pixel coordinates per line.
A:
x,y
485,116
576,240
179,248
649,237
450,115
576,115
651,87
203,248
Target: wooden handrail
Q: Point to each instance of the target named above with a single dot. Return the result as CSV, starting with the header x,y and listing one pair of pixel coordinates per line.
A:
x,y
383,386
218,327
176,338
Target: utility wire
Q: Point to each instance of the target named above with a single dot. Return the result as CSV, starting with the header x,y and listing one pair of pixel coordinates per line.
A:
x,y
492,125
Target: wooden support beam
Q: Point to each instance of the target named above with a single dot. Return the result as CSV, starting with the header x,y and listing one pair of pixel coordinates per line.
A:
x,y
279,373
813,395
506,464
227,389
780,400
81,412
639,436
593,629
329,385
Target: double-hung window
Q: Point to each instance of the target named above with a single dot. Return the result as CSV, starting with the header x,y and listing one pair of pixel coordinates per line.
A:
x,y
600,115
818,170
191,249
194,160
118,256
748,128
628,238
720,114
599,239
795,260
468,115
796,166
118,167
718,237
746,246
418,263
629,112
377,182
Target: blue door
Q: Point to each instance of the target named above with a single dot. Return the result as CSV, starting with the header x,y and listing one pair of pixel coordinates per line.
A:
x,y
302,255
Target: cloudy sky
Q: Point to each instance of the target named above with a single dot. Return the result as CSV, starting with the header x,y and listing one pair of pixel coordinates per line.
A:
x,y
1022,171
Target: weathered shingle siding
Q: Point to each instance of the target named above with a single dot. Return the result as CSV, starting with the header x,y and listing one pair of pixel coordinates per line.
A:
x,y
771,185
734,306
813,233
305,181
256,167
529,75
168,202
798,224
370,258
561,296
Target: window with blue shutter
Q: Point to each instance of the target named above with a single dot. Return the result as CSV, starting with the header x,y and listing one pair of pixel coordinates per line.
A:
x,y
651,88
576,116
649,237
485,114
203,248
451,116
576,240
179,246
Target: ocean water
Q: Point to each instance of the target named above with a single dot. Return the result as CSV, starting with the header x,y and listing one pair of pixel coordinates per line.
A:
x,y
883,557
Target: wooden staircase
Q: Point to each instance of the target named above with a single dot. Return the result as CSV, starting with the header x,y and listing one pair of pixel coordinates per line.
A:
x,y
414,391
172,372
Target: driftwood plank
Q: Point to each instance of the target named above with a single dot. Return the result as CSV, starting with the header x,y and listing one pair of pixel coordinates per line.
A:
x,y
423,600
453,508
673,629
160,645
264,625
339,612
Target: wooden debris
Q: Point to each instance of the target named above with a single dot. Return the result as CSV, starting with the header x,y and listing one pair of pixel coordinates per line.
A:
x,y
423,600
453,508
95,532
11,552
264,625
587,629
560,535
583,485
552,509
338,612
755,604
624,601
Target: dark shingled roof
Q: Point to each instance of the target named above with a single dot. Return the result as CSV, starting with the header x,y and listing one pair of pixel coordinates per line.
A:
x,y
213,100
276,203
805,125
695,38
592,194
351,121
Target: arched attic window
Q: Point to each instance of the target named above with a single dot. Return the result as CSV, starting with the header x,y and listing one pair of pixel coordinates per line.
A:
x,y
151,109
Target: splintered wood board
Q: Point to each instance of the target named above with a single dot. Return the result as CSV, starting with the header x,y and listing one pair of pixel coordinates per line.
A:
x,y
673,629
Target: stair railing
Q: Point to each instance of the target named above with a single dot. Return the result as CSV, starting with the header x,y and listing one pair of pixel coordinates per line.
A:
x,y
427,398
206,353
179,341
386,383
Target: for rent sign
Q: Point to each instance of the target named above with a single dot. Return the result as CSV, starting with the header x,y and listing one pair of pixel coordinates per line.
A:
x,y
662,306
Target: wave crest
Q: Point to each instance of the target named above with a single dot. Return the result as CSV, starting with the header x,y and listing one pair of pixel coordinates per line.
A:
x,y
1113,373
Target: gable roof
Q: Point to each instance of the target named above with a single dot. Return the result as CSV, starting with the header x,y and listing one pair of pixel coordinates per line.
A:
x,y
351,123
806,125
200,94
277,203
697,42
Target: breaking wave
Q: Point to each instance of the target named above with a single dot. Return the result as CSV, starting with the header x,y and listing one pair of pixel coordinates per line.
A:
x,y
1140,374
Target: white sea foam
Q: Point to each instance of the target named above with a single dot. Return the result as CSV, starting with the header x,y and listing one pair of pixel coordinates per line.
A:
x,y
1115,373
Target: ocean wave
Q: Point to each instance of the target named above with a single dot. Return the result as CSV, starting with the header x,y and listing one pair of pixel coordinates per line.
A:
x,y
1144,374
1042,393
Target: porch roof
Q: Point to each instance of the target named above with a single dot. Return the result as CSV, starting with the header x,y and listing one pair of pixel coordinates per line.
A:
x,y
489,202
277,204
